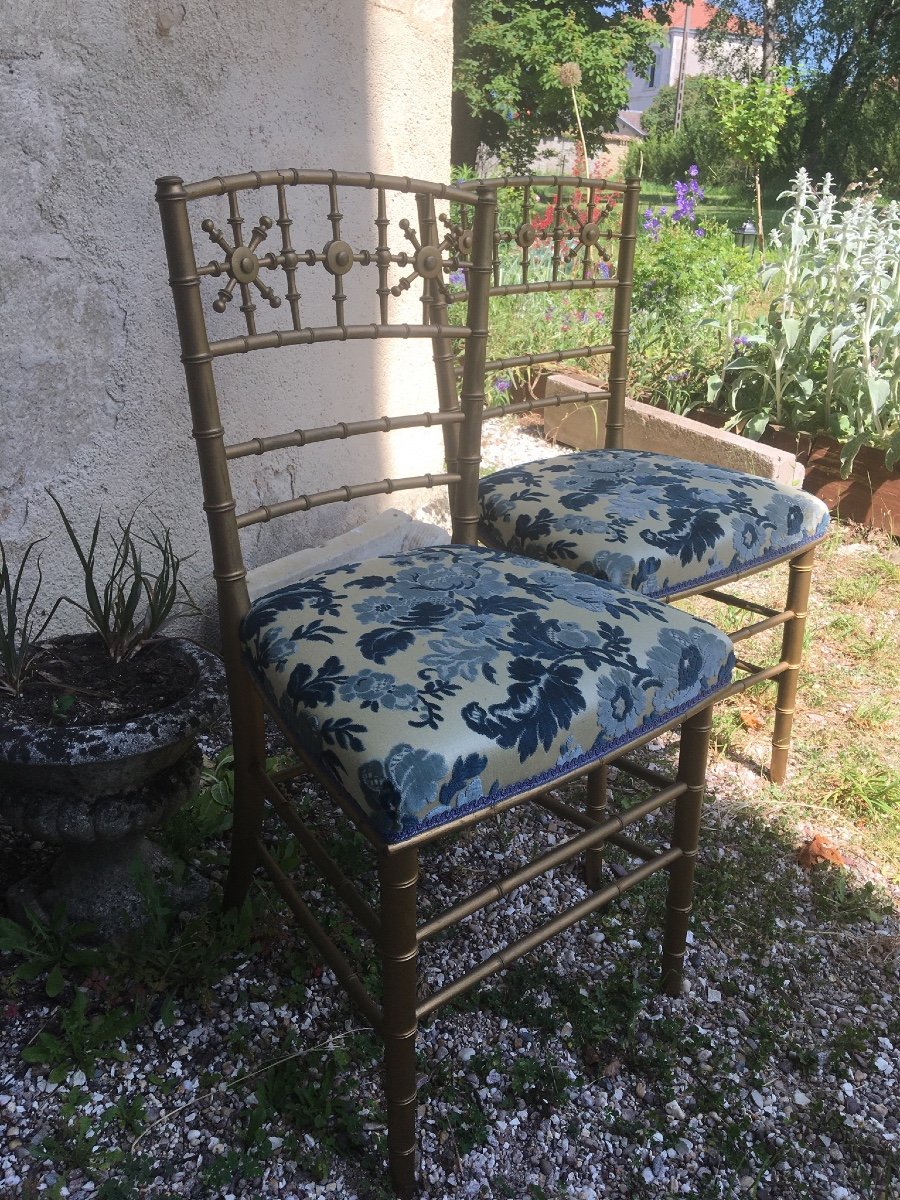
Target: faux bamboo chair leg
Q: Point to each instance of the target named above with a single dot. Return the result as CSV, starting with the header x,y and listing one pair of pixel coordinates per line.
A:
x,y
249,741
596,808
799,582
398,875
686,835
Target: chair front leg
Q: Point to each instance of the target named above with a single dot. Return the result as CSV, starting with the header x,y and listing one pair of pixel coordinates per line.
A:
x,y
799,582
596,808
398,875
249,741
693,753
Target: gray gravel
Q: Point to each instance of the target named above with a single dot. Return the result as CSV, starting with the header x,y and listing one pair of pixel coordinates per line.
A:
x,y
775,1075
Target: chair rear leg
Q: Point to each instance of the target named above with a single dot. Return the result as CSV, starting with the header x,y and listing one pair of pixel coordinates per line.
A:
x,y
398,875
686,835
596,809
249,740
799,582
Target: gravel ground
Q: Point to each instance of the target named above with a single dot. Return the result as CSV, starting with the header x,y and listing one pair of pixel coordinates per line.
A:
x,y
775,1075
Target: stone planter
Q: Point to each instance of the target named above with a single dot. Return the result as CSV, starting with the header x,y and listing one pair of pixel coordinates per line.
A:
x,y
96,790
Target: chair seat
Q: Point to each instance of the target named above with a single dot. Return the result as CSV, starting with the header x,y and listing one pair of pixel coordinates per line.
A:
x,y
434,683
647,522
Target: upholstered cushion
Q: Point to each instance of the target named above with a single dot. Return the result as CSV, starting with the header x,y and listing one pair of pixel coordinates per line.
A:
x,y
648,522
433,683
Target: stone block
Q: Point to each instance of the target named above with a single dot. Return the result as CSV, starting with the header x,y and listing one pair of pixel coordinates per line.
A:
x,y
582,425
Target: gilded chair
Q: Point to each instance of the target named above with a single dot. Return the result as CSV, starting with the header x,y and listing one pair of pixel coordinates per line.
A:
x,y
429,690
652,523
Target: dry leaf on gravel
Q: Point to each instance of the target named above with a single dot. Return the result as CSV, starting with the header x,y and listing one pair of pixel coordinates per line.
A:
x,y
751,719
817,850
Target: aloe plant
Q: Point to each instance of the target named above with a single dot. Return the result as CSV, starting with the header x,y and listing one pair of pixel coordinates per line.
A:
x,y
114,605
19,631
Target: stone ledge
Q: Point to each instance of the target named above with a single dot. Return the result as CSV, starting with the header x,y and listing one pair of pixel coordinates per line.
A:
x,y
654,429
391,532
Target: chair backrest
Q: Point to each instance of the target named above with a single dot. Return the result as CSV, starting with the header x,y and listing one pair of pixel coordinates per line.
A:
x,y
401,255
572,235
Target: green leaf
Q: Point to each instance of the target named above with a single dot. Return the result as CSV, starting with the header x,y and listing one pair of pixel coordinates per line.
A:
x,y
892,453
817,333
849,452
55,982
756,426
32,969
791,327
167,1012
879,392
13,936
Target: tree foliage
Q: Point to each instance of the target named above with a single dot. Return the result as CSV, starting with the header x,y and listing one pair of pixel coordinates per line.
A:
x,y
849,54
752,116
853,99
509,95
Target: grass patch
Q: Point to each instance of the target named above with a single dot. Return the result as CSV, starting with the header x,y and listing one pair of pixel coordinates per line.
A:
x,y
843,773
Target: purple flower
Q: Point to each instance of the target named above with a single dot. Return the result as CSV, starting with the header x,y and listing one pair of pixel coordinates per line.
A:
x,y
458,278
502,385
651,224
741,340
698,232
693,170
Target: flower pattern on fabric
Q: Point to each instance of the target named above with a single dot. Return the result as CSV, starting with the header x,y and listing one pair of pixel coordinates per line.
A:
x,y
648,522
436,682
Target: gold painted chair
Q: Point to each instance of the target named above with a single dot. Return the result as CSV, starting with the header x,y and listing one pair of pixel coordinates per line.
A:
x,y
652,523
424,691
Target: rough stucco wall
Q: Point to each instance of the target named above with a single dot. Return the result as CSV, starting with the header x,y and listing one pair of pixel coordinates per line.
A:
x,y
97,99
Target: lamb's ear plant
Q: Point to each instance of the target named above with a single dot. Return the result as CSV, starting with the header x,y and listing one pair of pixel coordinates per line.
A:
x,y
827,359
113,603
19,632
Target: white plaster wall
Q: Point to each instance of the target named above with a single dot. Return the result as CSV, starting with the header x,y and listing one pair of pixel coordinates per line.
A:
x,y
97,99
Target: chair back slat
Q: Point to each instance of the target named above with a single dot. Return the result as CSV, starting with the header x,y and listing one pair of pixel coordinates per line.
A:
x,y
517,407
548,356
340,432
343,494
318,335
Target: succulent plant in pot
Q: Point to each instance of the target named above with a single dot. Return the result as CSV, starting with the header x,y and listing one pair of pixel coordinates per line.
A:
x,y
98,730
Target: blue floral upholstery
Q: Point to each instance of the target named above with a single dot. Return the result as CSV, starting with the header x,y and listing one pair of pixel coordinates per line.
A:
x,y
433,683
654,524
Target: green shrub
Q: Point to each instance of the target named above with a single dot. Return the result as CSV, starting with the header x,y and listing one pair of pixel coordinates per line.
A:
x,y
683,265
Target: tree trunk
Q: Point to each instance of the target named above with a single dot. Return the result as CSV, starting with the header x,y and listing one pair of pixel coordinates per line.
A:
x,y
465,135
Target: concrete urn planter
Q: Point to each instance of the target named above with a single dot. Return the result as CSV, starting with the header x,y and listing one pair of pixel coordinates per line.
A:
x,y
96,789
